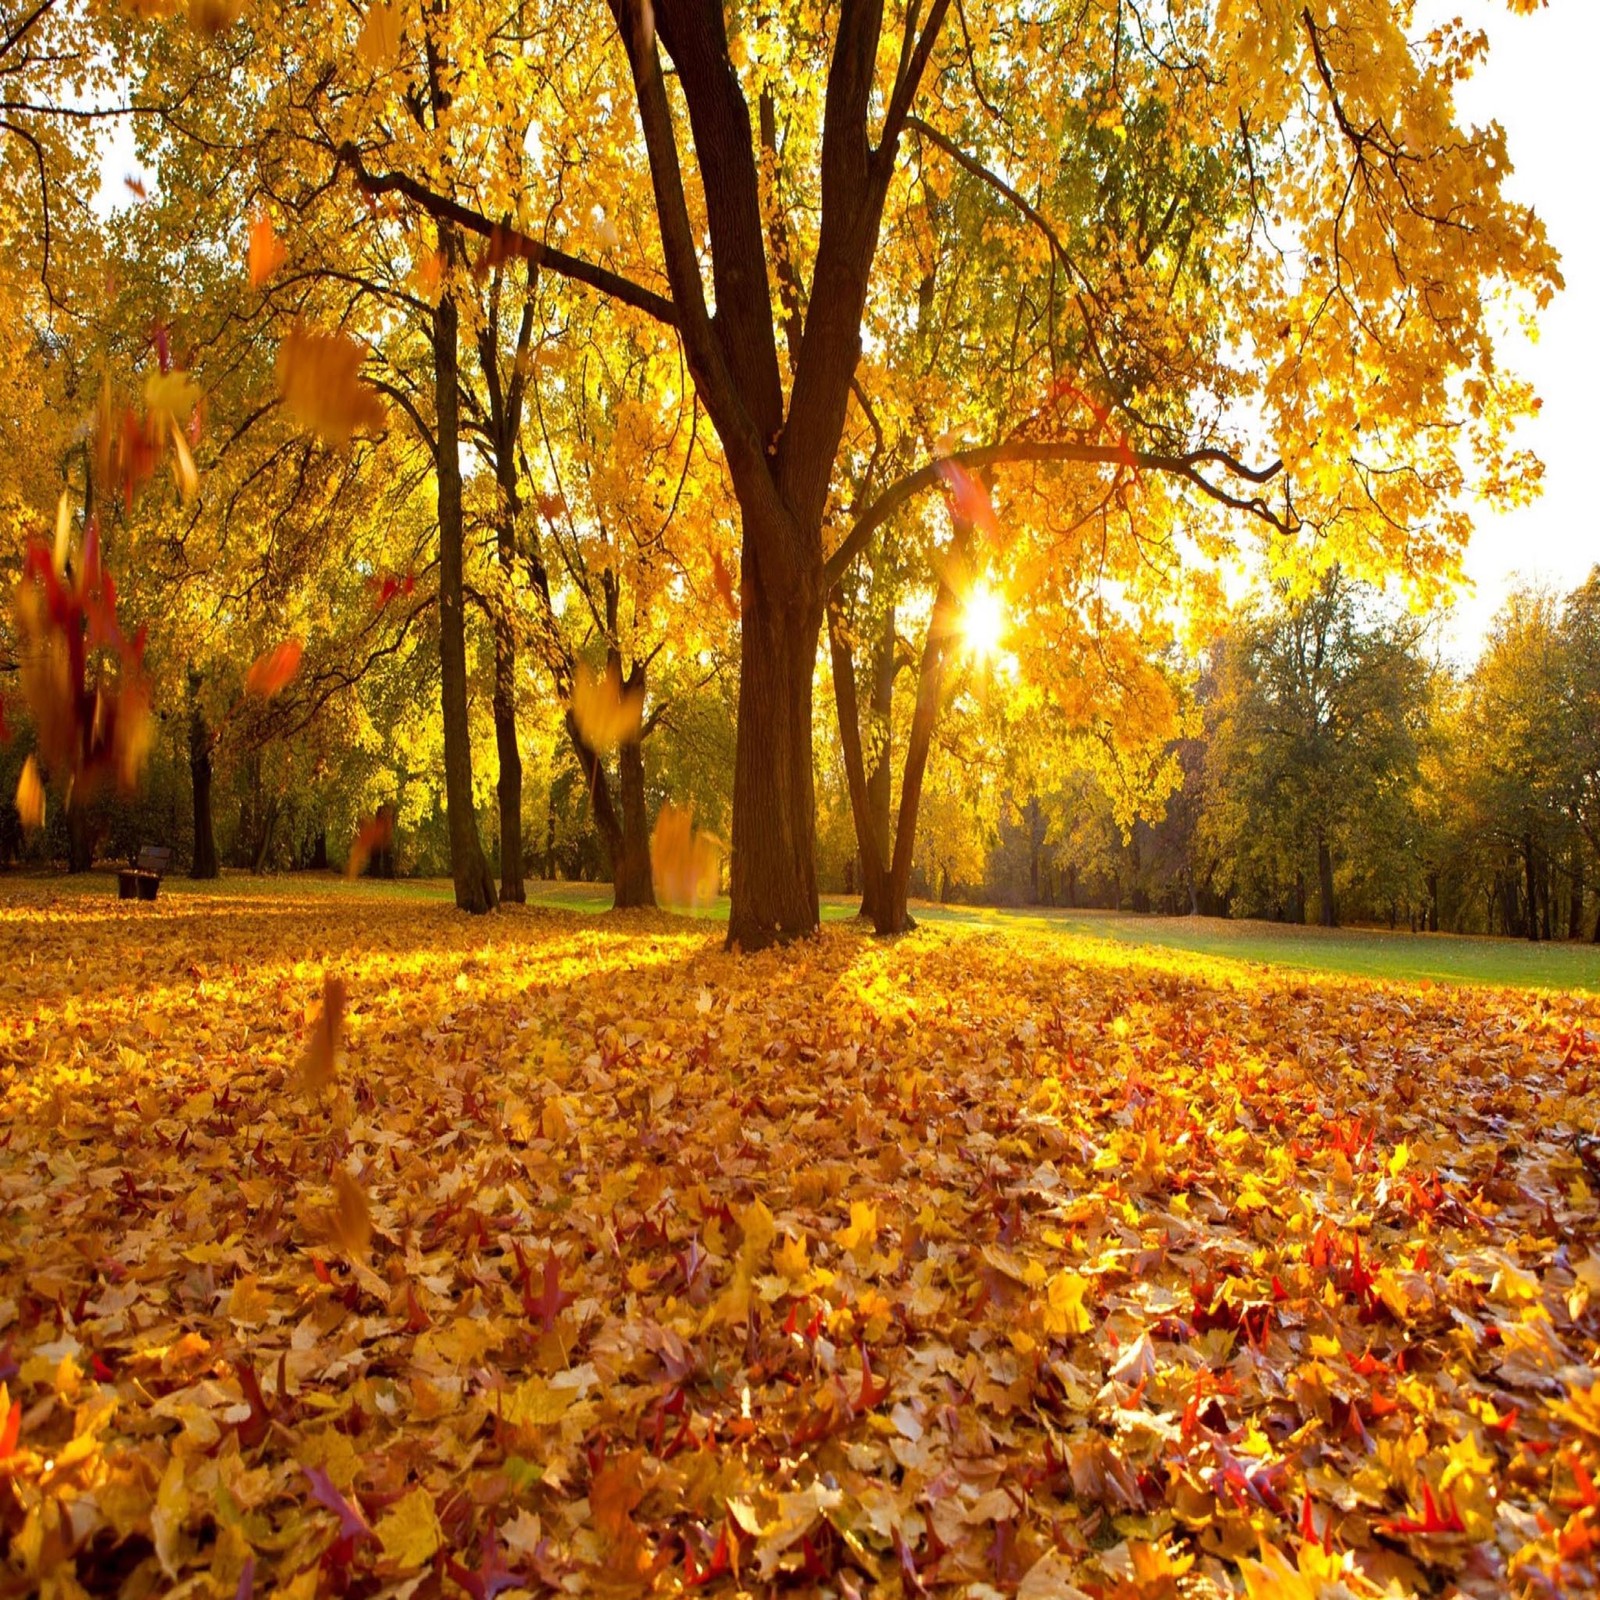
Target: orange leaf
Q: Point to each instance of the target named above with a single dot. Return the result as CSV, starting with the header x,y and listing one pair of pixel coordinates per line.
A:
x,y
319,375
266,252
322,1048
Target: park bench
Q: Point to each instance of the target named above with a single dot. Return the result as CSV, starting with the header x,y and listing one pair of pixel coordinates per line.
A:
x,y
143,878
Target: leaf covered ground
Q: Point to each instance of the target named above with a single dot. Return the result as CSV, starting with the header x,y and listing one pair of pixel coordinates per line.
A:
x,y
577,1256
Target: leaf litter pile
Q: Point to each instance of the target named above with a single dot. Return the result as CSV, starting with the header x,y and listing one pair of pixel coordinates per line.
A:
x,y
351,1247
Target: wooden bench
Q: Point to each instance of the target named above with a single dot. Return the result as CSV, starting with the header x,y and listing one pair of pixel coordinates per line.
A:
x,y
143,878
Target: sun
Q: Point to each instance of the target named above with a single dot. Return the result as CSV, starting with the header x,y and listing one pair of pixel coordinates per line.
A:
x,y
983,621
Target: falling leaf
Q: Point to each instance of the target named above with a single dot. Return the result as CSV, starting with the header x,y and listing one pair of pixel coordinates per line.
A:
x,y
30,795
722,580
969,498
378,45
352,1221
322,1047
319,376
685,863
607,712
266,252
374,836
272,670
135,186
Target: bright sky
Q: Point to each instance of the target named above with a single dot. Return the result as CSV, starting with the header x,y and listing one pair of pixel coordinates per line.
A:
x,y
1538,83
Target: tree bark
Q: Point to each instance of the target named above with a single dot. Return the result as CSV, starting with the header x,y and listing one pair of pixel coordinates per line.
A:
x,y
204,862
473,884
508,785
880,777
80,837
1330,909
774,873
631,881
1531,875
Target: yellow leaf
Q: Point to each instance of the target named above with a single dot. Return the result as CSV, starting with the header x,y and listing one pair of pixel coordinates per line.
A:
x,y
759,1230
409,1531
1064,1308
266,252
536,1404
862,1228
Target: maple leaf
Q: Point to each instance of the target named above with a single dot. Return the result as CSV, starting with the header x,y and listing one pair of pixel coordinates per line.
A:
x,y
1436,1518
553,1299
722,581
378,44
273,670
319,376
615,1492
969,498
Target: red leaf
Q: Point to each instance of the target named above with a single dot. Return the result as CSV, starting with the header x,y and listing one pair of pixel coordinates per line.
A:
x,y
693,1573
11,1429
352,1525
1434,1520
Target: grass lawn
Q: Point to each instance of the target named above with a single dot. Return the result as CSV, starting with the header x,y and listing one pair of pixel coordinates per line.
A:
x,y
570,1254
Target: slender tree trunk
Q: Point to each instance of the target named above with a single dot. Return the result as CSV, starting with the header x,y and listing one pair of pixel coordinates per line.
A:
x,y
631,879
473,884
880,779
872,853
508,785
1330,910
774,876
1575,903
204,863
319,851
893,917
1531,875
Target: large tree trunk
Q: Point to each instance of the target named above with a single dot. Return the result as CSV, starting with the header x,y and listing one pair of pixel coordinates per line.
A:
x,y
774,876
473,884
631,880
204,863
1330,909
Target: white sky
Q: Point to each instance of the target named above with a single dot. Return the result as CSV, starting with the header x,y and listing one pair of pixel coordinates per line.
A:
x,y
1538,83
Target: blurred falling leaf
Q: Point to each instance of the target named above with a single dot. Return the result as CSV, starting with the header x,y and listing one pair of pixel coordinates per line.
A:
x,y
607,713
969,498
685,863
135,186
327,1032
319,375
272,670
352,1221
722,580
208,18
375,835
266,252
30,795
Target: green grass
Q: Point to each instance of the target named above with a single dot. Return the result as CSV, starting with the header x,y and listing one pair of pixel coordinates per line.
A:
x,y
1358,952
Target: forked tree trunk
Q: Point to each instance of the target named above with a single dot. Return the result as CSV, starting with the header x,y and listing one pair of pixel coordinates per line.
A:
x,y
473,884
204,864
774,876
